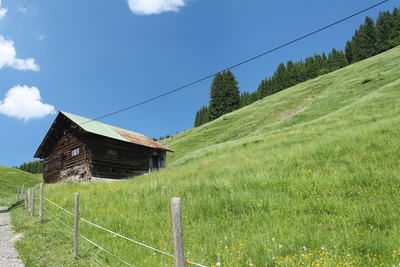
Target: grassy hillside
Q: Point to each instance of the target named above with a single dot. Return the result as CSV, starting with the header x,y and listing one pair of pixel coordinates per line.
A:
x,y
10,179
306,177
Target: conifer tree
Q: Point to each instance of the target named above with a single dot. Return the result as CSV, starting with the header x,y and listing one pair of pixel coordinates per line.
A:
x,y
365,41
394,36
247,98
349,51
280,78
384,27
290,75
311,68
336,60
201,116
32,167
263,89
224,95
321,64
324,65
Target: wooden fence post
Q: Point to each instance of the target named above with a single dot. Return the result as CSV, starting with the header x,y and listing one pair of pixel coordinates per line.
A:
x,y
76,219
29,199
177,232
18,189
33,202
25,198
41,203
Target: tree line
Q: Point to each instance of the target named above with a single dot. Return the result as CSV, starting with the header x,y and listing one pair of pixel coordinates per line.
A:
x,y
370,39
31,167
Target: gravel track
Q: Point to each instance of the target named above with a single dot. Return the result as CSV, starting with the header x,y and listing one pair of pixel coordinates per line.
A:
x,y
8,254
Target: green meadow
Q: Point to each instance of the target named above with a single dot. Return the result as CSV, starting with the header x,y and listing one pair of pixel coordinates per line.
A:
x,y
309,176
10,179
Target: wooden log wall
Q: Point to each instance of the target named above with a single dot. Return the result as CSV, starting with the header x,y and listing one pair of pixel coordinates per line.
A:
x,y
115,159
98,156
59,165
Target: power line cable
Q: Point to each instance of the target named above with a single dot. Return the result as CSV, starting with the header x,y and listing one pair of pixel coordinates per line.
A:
x,y
15,19
238,64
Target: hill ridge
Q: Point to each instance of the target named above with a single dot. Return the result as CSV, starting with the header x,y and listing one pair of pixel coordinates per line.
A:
x,y
307,98
319,188
10,179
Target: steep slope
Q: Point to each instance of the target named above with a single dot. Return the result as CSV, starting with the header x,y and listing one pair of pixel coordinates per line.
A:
x,y
305,177
11,178
306,103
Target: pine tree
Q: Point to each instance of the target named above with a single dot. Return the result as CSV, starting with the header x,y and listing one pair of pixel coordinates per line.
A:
x,y
263,89
40,169
196,119
205,115
321,64
32,167
300,72
290,75
324,67
365,41
311,68
349,51
202,116
394,36
337,60
280,76
23,167
384,27
224,95
247,98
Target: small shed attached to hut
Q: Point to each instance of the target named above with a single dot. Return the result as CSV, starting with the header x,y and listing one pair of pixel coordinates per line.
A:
x,y
83,150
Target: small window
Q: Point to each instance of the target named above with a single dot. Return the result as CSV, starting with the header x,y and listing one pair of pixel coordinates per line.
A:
x,y
111,151
75,151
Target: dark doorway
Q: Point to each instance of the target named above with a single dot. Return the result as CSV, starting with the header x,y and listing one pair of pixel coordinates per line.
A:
x,y
155,162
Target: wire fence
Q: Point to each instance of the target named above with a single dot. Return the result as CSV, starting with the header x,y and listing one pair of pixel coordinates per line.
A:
x,y
80,235
29,198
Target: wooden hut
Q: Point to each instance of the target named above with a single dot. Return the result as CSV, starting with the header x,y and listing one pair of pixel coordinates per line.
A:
x,y
84,150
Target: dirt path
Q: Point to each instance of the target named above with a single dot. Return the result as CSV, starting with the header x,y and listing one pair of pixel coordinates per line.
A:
x,y
8,254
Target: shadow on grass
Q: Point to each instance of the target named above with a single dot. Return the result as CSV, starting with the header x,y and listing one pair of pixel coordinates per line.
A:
x,y
15,205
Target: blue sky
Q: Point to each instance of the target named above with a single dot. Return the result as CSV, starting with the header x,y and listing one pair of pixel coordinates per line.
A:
x,y
92,58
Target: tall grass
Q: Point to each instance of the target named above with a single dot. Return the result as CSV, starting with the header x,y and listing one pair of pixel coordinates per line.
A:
x,y
307,177
10,179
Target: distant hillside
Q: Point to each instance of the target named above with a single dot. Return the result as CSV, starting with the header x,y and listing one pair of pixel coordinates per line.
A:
x,y
308,176
370,39
349,93
11,178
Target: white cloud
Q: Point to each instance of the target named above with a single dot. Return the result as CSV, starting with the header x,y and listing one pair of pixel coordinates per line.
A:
x,y
8,57
41,36
25,103
3,11
148,7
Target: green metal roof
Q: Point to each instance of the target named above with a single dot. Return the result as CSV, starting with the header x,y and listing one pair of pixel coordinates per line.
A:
x,y
99,128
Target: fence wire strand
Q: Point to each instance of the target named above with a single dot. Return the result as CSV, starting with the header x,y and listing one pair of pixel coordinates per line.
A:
x,y
134,241
87,239
58,219
67,211
94,244
114,233
127,238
